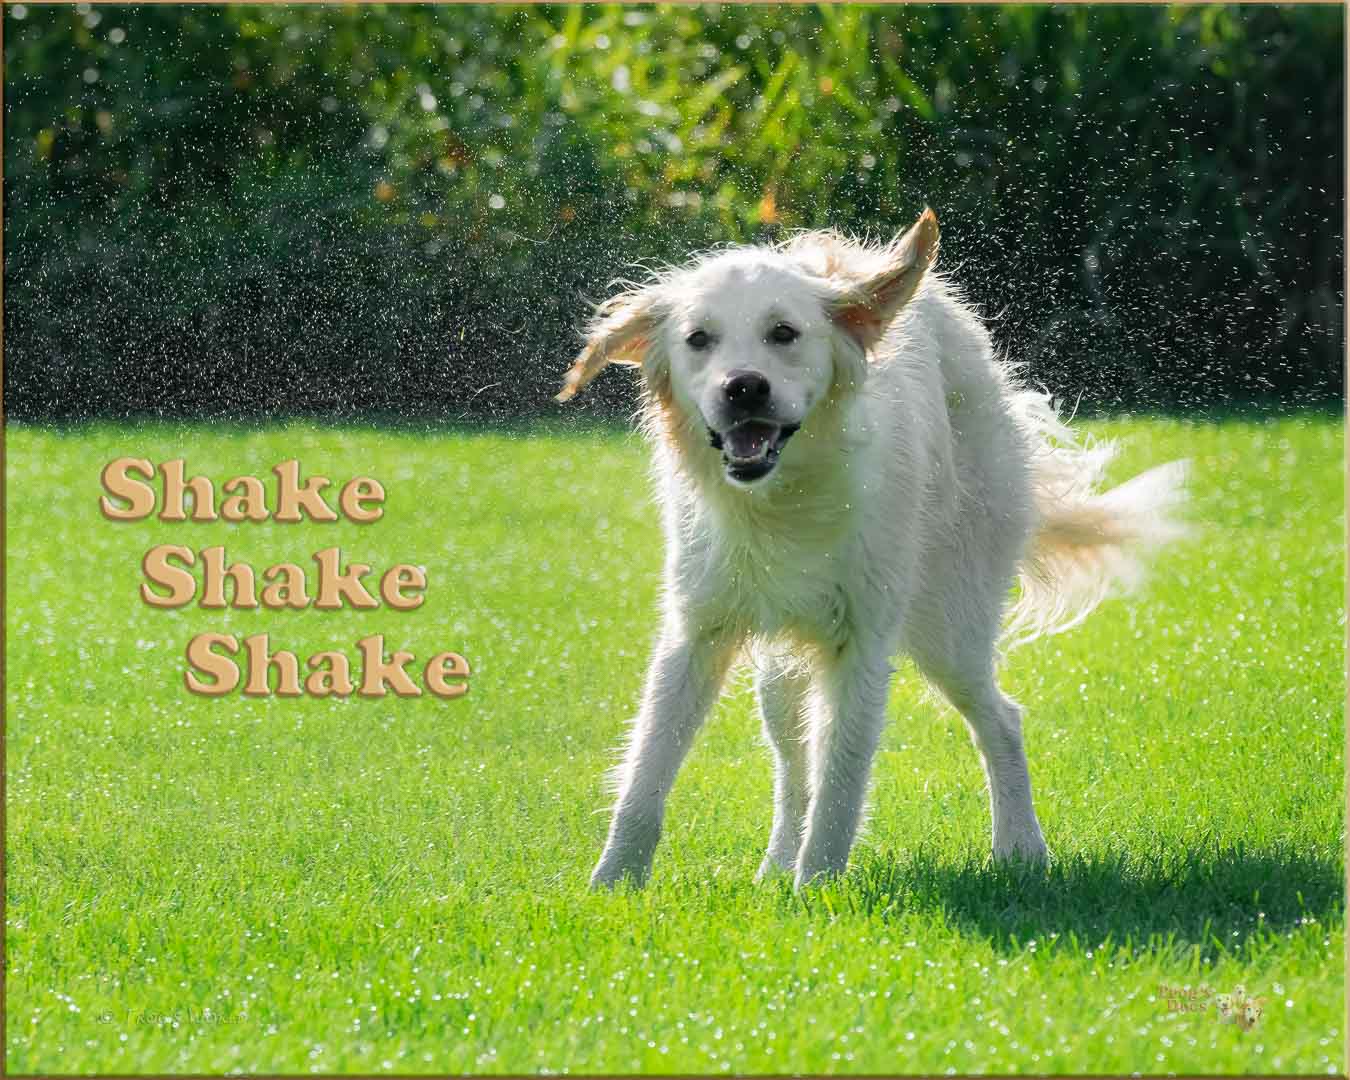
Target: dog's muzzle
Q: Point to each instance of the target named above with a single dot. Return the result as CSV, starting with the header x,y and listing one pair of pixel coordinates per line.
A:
x,y
750,449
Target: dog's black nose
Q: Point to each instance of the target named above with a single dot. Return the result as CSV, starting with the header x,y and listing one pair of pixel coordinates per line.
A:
x,y
746,391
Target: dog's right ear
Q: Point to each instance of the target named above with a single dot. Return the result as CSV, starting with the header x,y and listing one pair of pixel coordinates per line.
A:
x,y
621,333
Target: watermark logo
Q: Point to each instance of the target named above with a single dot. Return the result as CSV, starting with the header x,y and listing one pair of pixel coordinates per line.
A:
x,y
173,1019
1235,1007
1239,1008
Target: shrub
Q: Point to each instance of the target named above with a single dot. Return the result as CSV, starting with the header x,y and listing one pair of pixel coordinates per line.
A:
x,y
252,210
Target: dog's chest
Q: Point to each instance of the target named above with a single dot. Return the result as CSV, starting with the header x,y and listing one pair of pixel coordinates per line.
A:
x,y
773,579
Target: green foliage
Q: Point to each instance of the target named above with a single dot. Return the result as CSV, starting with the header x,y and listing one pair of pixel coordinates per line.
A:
x,y
1153,193
400,886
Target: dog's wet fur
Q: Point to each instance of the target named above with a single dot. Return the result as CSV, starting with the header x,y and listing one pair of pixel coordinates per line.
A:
x,y
848,472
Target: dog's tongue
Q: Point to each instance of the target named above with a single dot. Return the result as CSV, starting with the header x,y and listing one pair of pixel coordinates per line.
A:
x,y
749,440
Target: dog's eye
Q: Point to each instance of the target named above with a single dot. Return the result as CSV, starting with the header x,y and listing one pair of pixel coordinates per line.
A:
x,y
783,334
698,339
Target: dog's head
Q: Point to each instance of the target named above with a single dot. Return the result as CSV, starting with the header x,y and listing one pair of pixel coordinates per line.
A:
x,y
745,343
1251,1013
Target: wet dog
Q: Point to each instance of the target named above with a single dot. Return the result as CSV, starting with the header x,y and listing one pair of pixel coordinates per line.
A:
x,y
849,473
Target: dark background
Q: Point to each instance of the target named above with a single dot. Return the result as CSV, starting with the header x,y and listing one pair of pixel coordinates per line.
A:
x,y
402,213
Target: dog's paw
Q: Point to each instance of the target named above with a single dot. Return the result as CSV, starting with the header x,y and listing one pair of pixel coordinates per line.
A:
x,y
772,870
809,874
608,876
1028,849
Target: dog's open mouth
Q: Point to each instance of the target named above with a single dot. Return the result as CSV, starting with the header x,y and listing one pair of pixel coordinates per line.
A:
x,y
750,449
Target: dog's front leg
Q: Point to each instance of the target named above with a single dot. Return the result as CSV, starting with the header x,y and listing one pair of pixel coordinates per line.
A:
x,y
852,711
783,691
683,681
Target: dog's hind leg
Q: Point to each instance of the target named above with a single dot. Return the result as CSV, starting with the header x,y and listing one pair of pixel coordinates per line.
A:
x,y
963,669
995,722
846,728
683,681
782,690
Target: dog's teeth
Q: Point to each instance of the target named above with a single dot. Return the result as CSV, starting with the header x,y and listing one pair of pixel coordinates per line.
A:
x,y
751,441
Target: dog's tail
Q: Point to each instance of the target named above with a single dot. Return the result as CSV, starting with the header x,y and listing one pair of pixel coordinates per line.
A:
x,y
1088,542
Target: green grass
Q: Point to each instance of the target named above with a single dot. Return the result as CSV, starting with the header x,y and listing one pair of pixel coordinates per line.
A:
x,y
399,885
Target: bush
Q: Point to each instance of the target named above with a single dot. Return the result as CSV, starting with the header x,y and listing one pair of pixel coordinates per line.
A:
x,y
249,211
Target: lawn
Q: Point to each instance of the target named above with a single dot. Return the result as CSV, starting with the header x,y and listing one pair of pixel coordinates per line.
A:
x,y
400,884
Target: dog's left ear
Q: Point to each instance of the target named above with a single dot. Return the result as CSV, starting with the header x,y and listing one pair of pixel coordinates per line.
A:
x,y
620,333
867,308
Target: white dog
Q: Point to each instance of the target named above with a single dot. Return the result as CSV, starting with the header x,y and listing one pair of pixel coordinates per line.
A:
x,y
847,473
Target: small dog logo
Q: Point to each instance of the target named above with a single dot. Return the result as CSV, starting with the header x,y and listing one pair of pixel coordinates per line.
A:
x,y
1237,1008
